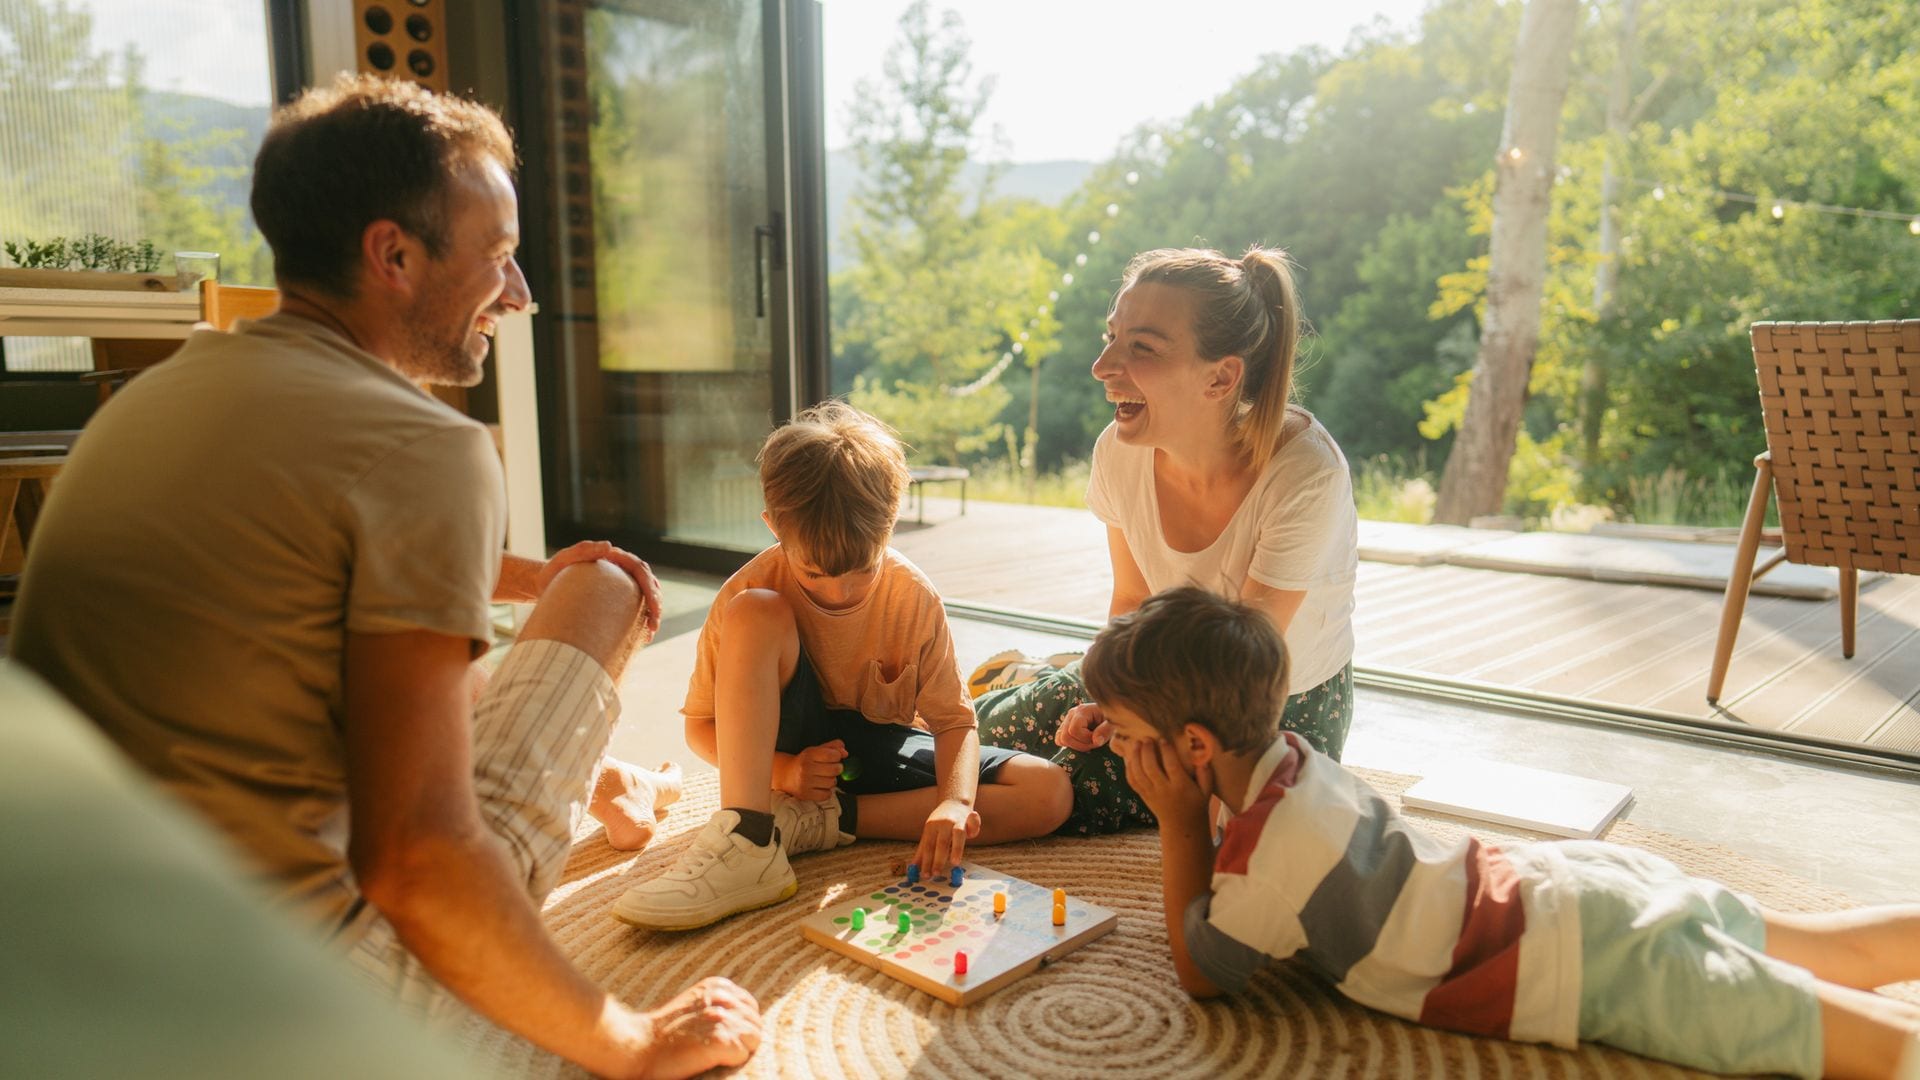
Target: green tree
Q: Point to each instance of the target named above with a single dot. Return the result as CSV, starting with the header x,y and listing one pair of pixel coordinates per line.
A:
x,y
931,301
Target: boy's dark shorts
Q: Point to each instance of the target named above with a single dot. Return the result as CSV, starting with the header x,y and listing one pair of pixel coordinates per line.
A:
x,y
884,757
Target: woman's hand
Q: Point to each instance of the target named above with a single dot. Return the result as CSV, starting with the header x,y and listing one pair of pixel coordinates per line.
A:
x,y
1160,778
1084,728
943,843
812,773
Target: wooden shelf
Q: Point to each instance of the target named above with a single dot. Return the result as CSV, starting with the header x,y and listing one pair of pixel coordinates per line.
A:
x,y
97,313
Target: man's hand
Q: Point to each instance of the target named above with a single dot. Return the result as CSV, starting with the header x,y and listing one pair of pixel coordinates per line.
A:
x,y
812,773
1083,728
1160,778
634,566
943,843
711,1023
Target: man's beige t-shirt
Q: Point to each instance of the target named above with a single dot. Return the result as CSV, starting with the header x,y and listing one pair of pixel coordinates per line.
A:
x,y
889,657
220,526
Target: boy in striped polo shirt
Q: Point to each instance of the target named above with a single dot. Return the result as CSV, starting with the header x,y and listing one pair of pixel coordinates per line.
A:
x,y
1545,942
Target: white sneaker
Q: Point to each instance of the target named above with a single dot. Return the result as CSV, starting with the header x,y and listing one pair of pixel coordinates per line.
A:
x,y
806,825
721,873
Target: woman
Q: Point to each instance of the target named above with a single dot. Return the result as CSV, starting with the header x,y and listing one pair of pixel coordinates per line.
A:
x,y
1208,475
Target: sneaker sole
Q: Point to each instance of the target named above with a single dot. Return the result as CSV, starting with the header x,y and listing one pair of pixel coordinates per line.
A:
x,y
697,921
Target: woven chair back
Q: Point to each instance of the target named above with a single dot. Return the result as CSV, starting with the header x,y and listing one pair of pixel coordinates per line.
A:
x,y
1841,402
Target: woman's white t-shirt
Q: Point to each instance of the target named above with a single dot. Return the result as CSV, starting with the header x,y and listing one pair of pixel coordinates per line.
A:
x,y
1295,530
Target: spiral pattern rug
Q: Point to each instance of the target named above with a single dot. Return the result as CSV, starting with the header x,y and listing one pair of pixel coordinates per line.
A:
x,y
1110,1010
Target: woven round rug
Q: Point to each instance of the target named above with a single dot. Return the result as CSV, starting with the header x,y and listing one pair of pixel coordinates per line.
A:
x,y
1110,1010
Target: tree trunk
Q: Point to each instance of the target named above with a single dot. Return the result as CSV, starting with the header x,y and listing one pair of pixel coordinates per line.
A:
x,y
1593,373
1476,475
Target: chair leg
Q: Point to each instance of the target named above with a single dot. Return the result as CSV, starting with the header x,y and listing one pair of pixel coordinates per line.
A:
x,y
1849,607
1740,578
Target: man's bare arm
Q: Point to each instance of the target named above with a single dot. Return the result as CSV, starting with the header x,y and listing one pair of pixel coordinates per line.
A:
x,y
427,861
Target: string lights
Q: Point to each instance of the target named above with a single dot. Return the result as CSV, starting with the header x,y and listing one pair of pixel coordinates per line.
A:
x,y
1779,207
992,374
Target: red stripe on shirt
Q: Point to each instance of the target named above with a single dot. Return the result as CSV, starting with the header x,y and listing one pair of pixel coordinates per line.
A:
x,y
1476,994
1242,833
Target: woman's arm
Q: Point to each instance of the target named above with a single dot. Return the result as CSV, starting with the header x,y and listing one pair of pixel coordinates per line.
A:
x,y
1279,605
1129,584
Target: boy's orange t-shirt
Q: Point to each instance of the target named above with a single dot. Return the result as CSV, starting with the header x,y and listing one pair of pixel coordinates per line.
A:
x,y
890,657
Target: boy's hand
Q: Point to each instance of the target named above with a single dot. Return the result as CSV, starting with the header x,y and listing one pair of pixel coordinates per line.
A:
x,y
943,843
812,773
1083,728
1160,778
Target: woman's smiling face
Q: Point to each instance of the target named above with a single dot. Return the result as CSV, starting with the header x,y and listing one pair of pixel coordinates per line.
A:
x,y
1151,366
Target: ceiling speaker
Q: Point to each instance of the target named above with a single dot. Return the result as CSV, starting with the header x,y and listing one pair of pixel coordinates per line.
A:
x,y
405,39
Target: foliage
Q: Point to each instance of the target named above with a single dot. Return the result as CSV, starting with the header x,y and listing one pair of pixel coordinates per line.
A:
x,y
90,252
1372,167
1385,489
99,161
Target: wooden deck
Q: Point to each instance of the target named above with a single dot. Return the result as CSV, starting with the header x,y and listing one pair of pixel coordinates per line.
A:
x,y
1646,646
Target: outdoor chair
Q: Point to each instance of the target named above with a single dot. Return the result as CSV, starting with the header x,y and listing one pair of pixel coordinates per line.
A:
x,y
1841,405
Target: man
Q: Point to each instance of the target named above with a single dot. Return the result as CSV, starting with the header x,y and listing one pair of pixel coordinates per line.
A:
x,y
265,574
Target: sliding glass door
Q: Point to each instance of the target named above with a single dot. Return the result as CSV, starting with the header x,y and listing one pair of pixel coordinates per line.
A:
x,y
670,198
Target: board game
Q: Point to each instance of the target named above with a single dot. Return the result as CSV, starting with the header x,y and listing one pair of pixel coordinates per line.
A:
x,y
944,919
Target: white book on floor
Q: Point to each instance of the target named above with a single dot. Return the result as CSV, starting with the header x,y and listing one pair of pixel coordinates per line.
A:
x,y
1548,802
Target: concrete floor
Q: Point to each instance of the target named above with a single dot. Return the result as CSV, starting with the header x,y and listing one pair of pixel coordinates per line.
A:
x,y
1848,830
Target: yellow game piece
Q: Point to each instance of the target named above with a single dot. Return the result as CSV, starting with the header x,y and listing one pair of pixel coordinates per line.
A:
x,y
1059,897
999,903
1059,914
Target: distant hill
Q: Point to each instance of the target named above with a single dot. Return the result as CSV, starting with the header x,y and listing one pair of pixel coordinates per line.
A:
x,y
187,124
1047,182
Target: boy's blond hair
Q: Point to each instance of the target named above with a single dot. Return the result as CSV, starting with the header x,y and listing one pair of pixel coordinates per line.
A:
x,y
1188,656
833,479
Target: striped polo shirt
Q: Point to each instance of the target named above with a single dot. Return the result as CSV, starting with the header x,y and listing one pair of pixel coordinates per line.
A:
x,y
1458,934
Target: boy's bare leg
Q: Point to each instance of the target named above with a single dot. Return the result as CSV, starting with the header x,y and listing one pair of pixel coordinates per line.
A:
x,y
759,649
1860,947
1863,1034
1028,797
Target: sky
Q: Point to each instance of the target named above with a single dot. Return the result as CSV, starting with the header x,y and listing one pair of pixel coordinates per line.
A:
x,y
1126,61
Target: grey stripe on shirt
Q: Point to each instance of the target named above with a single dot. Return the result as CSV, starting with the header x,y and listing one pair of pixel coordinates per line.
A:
x,y
1344,916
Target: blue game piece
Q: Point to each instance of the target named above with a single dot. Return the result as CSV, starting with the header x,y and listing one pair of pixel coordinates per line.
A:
x,y
954,877
913,873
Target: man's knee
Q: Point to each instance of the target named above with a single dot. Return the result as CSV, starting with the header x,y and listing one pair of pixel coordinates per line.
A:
x,y
593,606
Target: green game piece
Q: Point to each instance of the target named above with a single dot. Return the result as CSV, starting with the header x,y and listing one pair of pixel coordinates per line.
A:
x,y
906,923
859,918
850,769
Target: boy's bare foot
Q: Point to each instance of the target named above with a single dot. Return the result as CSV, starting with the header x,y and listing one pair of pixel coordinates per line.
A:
x,y
628,800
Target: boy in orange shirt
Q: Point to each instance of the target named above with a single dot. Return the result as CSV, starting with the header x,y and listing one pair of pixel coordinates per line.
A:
x,y
815,661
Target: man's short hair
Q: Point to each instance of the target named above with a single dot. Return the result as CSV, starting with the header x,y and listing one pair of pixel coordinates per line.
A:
x,y
362,150
1188,656
833,479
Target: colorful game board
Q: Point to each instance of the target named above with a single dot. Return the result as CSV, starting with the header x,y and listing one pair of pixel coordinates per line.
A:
x,y
944,919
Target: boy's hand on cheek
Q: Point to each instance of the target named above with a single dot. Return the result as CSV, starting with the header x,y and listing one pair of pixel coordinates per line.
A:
x,y
943,843
812,773
1160,778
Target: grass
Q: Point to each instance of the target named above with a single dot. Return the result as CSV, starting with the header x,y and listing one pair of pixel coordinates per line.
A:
x,y
1674,497
997,481
1387,489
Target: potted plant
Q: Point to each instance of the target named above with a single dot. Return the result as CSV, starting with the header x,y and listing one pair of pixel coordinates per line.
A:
x,y
92,261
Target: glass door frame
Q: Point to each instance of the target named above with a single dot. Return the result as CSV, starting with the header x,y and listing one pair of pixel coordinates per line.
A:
x,y
796,286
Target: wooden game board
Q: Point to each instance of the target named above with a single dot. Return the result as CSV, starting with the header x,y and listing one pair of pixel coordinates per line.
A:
x,y
946,920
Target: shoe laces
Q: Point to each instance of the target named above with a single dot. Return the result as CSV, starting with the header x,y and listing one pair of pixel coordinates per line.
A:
x,y
695,861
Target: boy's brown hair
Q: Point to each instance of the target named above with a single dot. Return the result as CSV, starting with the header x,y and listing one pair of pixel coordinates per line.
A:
x,y
1188,656
833,479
